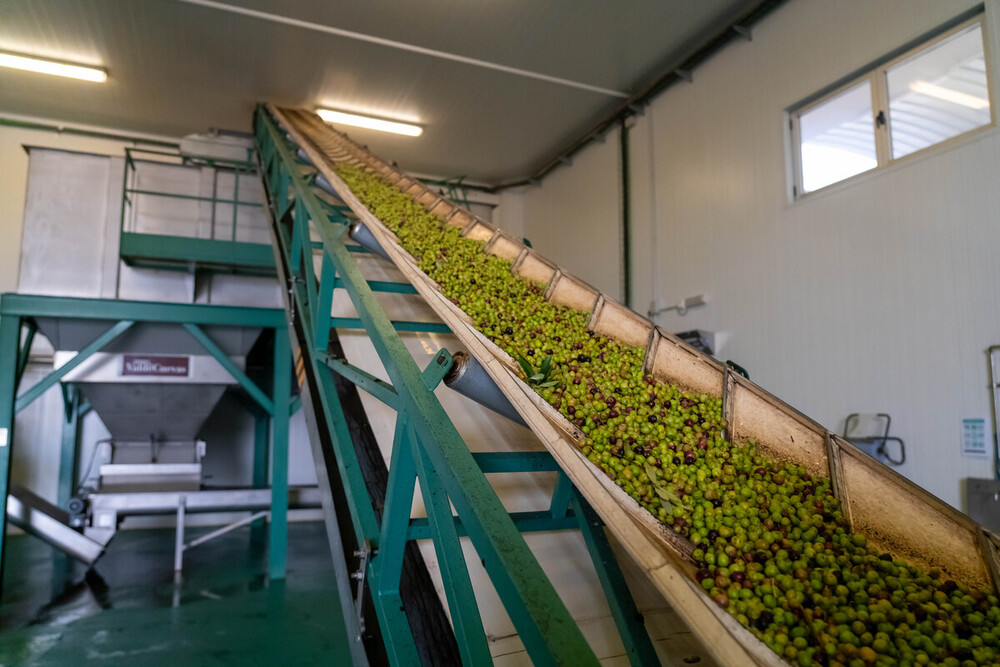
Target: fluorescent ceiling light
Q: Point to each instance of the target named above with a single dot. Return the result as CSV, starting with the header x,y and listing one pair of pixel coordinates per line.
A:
x,y
343,118
51,67
949,95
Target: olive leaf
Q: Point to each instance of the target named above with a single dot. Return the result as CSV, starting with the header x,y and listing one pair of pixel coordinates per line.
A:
x,y
539,377
526,366
667,497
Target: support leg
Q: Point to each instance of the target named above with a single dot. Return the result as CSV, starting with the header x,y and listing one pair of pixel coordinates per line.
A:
x,y
67,452
62,564
261,447
562,494
454,573
10,332
631,627
179,540
279,455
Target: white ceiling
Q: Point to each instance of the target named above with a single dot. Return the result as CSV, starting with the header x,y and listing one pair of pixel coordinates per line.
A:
x,y
176,68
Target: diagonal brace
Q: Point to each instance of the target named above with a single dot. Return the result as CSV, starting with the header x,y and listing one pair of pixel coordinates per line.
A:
x,y
199,335
28,397
380,389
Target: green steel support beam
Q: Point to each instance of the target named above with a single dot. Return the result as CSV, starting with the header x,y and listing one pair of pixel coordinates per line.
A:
x,y
398,502
299,217
248,385
27,305
327,282
261,449
62,564
548,631
10,334
454,572
25,354
380,389
308,266
398,325
385,568
383,286
182,249
562,494
68,448
526,522
631,625
392,619
261,457
29,396
366,525
498,462
279,456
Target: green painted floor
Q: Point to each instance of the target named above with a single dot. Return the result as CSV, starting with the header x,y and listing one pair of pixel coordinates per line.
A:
x,y
124,612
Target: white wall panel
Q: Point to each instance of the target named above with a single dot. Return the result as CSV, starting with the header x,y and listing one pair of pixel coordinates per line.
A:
x,y
879,295
574,216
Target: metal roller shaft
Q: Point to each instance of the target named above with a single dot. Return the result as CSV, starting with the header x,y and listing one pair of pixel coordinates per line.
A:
x,y
470,379
362,235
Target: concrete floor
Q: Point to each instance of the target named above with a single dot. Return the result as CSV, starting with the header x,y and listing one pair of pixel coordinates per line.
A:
x,y
124,612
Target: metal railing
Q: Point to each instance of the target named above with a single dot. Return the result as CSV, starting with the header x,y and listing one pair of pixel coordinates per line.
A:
x,y
131,194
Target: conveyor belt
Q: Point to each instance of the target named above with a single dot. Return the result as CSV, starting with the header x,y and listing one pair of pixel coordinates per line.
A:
x,y
897,516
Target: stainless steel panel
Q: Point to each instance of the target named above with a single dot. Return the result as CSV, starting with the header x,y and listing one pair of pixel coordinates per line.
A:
x,y
65,214
132,477
34,515
222,500
134,412
983,501
146,338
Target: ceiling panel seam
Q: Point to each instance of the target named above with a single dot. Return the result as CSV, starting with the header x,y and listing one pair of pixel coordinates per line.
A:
x,y
413,48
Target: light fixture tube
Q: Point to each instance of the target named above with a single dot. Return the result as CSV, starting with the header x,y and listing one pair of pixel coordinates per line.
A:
x,y
52,67
949,95
367,122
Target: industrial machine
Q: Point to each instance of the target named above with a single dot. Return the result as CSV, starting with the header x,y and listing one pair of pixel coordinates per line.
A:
x,y
151,367
298,150
379,431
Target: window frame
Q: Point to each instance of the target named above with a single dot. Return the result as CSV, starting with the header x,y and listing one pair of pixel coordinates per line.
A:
x,y
877,76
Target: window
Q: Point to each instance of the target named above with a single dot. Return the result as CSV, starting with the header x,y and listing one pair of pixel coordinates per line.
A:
x,y
911,101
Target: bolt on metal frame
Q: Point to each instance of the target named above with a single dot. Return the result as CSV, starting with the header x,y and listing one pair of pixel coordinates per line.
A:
x,y
427,451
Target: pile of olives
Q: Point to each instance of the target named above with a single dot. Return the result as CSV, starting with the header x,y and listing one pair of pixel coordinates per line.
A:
x,y
771,545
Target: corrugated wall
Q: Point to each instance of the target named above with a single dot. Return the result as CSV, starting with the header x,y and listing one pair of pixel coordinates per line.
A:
x,y
881,295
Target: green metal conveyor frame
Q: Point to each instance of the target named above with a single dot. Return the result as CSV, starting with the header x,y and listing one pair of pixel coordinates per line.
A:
x,y
427,451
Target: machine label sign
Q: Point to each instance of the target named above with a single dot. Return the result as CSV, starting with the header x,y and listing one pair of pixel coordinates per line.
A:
x,y
975,437
156,366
